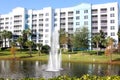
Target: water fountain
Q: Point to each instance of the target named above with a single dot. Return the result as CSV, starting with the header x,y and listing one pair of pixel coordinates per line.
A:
x,y
54,63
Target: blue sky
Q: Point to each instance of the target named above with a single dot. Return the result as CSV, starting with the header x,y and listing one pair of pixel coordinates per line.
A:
x,y
7,5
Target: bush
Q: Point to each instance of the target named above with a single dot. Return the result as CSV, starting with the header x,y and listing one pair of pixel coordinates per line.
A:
x,y
84,77
93,52
45,49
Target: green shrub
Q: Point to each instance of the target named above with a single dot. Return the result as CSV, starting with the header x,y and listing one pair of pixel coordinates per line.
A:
x,y
84,77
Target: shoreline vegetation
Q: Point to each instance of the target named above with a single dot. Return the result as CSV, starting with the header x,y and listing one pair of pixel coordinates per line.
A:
x,y
78,57
64,77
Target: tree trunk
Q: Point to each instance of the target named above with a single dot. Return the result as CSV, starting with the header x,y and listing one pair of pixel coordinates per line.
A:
x,y
5,42
97,47
30,52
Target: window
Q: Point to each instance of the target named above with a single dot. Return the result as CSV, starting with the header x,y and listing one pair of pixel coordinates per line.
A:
x,y
112,15
46,30
55,19
55,14
112,27
77,23
85,22
112,9
86,17
77,17
77,12
47,14
112,34
47,19
85,11
55,24
46,25
46,35
112,21
46,41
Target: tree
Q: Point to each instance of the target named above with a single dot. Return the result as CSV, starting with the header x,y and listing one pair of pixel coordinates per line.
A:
x,y
26,35
62,38
13,49
119,40
9,36
30,44
110,47
81,38
45,49
1,40
20,41
96,40
39,45
4,36
102,39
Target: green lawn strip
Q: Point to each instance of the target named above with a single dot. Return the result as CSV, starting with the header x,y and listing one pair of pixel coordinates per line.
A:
x,y
79,57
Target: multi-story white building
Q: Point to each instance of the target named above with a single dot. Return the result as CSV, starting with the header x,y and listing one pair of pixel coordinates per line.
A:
x,y
41,22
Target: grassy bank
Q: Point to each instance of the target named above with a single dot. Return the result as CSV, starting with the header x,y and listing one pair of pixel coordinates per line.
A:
x,y
79,57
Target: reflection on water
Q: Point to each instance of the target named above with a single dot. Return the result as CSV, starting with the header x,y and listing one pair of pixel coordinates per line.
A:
x,y
22,69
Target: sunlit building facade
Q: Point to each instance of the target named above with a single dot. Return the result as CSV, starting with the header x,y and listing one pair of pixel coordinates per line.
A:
x,y
41,22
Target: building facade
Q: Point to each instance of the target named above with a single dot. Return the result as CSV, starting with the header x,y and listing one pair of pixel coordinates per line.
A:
x,y
41,22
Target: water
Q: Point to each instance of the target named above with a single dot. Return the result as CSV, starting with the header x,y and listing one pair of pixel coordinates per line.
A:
x,y
36,69
54,62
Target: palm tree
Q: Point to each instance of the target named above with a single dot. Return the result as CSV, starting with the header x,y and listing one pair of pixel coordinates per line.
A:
x,y
96,40
9,36
118,41
30,44
63,38
13,44
26,35
1,40
4,35
110,43
20,41
39,45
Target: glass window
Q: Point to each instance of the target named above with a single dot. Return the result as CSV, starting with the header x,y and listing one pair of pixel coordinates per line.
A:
x,y
47,19
112,15
112,34
85,11
85,22
77,17
112,21
77,12
112,9
77,23
46,30
46,25
86,17
112,27
47,14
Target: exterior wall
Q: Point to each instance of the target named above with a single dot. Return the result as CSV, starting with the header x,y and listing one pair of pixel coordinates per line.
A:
x,y
42,22
106,19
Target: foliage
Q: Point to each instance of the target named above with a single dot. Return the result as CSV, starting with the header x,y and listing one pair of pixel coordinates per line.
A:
x,y
81,38
99,40
5,35
96,39
45,49
109,48
92,52
39,45
30,44
20,41
13,49
26,36
64,77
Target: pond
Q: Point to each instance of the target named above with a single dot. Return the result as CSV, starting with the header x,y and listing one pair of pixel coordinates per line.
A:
x,y
22,69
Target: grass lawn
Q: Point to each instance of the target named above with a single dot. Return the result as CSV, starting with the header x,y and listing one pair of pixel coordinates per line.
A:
x,y
65,57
